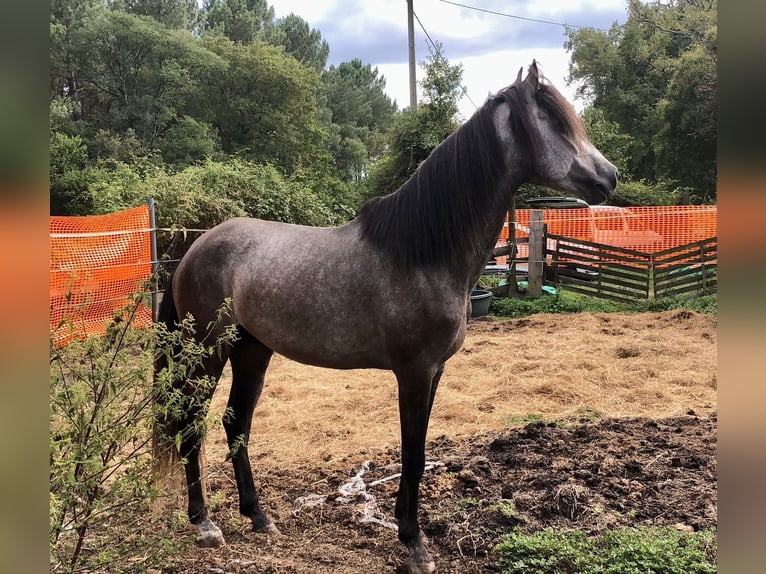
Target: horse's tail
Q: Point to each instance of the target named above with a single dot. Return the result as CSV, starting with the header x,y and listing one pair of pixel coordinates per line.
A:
x,y
165,455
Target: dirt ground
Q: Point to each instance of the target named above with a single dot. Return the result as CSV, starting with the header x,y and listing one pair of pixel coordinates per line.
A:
x,y
591,421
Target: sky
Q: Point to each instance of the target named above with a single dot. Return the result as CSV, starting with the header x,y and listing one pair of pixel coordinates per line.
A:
x,y
490,47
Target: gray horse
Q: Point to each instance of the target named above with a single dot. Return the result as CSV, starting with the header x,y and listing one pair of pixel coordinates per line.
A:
x,y
389,290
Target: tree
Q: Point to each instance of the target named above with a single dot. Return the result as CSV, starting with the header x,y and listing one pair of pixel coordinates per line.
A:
x,y
609,139
137,76
242,21
263,105
416,133
175,14
68,19
301,42
655,77
360,114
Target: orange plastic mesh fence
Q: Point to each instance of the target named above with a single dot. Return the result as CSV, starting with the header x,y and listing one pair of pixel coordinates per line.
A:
x,y
97,262
647,229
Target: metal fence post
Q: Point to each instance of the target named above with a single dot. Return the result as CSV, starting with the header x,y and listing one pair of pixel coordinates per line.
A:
x,y
155,263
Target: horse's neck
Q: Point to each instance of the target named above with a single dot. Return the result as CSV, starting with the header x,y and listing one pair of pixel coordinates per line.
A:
x,y
450,212
473,262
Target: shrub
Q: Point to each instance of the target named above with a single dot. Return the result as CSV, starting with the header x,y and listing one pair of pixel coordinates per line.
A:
x,y
102,416
638,193
566,302
627,551
100,425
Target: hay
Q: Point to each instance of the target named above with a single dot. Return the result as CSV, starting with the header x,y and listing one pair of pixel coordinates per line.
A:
x,y
556,366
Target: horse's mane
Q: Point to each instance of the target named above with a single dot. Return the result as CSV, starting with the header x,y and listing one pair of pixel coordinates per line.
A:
x,y
570,124
433,218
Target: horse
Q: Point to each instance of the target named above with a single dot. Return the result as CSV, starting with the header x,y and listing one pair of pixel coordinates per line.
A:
x,y
388,290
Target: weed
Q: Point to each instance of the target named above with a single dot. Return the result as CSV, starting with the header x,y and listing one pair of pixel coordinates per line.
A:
x,y
506,508
584,414
660,550
521,421
468,503
566,302
102,414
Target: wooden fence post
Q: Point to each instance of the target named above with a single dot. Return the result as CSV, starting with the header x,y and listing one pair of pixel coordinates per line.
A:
x,y
536,253
512,250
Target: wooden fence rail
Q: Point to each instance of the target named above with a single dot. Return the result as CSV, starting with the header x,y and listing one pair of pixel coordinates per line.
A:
x,y
627,275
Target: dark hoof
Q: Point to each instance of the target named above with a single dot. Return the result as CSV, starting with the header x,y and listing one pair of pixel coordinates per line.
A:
x,y
269,530
419,568
209,535
420,560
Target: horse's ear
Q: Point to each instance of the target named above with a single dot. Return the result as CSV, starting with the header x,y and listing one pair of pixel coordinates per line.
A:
x,y
533,77
518,78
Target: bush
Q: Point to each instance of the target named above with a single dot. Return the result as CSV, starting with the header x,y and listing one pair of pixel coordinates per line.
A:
x,y
102,416
639,193
68,181
627,551
100,426
566,302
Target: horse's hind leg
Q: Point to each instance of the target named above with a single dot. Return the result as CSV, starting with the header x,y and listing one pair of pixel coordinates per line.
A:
x,y
249,360
416,396
208,534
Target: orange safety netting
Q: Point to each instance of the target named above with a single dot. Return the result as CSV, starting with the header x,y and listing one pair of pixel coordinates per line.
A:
x,y
97,262
647,229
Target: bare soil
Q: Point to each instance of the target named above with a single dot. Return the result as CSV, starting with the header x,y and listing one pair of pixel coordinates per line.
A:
x,y
589,422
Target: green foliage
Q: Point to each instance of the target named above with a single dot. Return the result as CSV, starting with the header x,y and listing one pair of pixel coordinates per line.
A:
x,y
416,133
360,113
566,302
100,426
626,551
69,184
181,14
606,135
263,104
159,87
441,86
655,78
242,21
103,411
637,193
136,74
203,196
188,141
562,302
300,41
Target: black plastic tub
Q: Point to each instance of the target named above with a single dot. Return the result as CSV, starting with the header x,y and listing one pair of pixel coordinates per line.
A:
x,y
480,299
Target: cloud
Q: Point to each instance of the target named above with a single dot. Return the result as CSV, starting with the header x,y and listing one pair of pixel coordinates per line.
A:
x,y
486,45
375,31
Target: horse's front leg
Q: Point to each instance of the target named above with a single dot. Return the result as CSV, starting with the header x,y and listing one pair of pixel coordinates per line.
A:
x,y
416,391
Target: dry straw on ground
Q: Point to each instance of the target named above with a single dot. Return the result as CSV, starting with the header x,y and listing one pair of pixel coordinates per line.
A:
x,y
555,366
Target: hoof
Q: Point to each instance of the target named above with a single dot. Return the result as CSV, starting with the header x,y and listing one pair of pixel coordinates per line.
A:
x,y
420,568
209,535
269,530
420,560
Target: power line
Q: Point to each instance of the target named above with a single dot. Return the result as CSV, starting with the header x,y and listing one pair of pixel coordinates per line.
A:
x,y
563,24
440,55
426,33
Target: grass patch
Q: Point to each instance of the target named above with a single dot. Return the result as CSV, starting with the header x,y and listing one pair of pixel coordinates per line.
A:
x,y
522,421
661,550
566,302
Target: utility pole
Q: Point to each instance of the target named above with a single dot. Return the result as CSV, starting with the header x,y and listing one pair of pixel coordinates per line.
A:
x,y
411,45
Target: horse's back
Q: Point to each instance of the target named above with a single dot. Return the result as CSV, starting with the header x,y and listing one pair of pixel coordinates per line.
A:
x,y
321,296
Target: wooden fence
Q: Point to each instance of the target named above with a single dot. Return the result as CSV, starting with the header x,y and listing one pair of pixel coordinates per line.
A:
x,y
627,275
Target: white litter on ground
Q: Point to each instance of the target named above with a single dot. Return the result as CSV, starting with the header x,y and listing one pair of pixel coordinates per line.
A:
x,y
355,491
